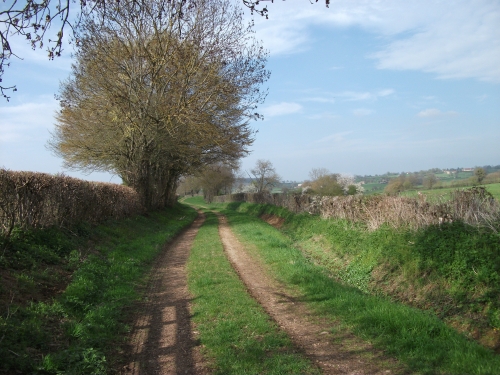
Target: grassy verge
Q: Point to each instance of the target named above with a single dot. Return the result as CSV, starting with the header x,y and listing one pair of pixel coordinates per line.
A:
x,y
237,335
452,270
417,338
92,274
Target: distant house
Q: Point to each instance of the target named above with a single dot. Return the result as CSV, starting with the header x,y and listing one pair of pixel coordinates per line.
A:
x,y
467,169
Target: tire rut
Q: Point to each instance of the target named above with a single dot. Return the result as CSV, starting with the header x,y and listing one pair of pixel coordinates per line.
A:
x,y
162,337
334,354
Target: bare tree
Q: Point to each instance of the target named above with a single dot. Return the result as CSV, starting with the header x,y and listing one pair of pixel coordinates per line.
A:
x,y
188,185
265,176
153,97
429,180
323,182
31,19
480,174
317,173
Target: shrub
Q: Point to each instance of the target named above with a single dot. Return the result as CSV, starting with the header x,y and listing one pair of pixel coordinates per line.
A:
x,y
36,200
473,206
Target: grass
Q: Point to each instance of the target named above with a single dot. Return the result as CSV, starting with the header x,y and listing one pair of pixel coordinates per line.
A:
x,y
75,329
416,338
237,335
444,193
197,200
372,188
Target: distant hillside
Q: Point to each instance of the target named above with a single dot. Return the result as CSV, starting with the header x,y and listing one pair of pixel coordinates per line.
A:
x,y
445,178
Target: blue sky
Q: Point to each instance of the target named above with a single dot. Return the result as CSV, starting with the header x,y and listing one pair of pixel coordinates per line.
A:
x,y
363,87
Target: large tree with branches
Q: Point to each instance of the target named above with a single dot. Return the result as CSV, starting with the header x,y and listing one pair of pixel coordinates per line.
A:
x,y
47,24
153,96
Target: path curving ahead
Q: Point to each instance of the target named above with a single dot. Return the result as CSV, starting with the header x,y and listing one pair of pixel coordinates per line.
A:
x,y
162,338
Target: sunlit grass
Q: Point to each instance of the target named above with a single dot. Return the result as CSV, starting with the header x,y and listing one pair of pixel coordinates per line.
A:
x,y
237,335
416,338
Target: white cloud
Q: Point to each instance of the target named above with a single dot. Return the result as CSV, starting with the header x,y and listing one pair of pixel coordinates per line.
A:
x,y
358,96
385,92
459,40
25,121
362,112
433,112
281,109
355,96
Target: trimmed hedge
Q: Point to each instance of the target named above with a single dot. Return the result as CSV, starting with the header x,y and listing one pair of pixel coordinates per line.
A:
x,y
36,200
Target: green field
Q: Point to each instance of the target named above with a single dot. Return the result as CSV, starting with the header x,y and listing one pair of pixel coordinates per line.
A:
x,y
448,178
372,188
444,193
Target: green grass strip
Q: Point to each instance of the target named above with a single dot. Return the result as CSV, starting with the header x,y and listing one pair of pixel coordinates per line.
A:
x,y
421,341
76,332
237,335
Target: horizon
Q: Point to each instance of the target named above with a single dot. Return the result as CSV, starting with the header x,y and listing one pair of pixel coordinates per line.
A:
x,y
359,88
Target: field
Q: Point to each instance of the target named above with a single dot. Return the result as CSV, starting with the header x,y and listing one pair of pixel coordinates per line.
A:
x,y
448,178
444,193
372,188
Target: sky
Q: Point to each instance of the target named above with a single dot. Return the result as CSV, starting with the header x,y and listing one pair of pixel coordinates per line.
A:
x,y
362,87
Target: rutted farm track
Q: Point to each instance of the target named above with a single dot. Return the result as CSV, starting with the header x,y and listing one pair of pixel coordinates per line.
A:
x,y
164,340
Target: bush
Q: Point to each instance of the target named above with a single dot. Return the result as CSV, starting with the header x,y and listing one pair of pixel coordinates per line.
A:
x,y
39,200
473,206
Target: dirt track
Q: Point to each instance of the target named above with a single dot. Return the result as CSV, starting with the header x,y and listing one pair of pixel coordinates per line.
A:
x,y
313,338
162,340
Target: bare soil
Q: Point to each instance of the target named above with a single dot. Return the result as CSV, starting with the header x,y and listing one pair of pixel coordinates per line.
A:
x,y
273,220
162,339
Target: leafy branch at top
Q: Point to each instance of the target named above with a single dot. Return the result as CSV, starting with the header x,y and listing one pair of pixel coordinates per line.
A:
x,y
32,19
